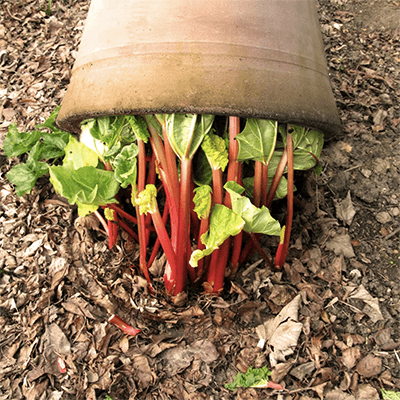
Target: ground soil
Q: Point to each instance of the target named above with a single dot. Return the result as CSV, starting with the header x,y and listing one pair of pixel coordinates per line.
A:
x,y
59,283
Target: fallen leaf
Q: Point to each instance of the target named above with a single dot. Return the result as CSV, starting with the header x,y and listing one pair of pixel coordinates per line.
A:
x,y
372,304
345,210
341,245
369,366
337,394
282,333
350,357
145,376
280,371
204,350
55,343
124,344
303,370
366,392
176,360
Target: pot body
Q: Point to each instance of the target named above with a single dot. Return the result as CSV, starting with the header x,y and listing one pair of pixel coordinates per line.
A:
x,y
247,58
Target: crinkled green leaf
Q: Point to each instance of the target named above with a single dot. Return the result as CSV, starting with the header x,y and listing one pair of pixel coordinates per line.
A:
x,y
254,377
50,122
139,127
17,143
297,133
125,133
215,150
258,220
257,140
235,187
223,223
281,191
186,132
147,200
202,172
302,161
307,145
104,132
78,155
110,154
24,176
88,187
125,165
312,142
89,140
390,395
108,132
53,144
202,201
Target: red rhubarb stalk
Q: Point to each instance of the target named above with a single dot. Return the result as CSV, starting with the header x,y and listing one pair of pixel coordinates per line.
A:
x,y
151,180
183,226
156,246
142,232
170,190
147,202
122,213
216,275
204,224
219,257
128,230
264,184
277,178
258,180
121,324
234,174
289,218
273,385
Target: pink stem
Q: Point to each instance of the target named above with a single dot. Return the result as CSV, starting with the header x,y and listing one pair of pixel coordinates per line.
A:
x,y
183,226
102,221
156,246
121,324
289,217
277,178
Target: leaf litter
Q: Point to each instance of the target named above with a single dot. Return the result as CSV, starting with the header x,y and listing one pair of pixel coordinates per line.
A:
x,y
338,294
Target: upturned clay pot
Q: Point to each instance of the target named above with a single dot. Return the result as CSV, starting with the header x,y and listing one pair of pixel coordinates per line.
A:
x,y
247,58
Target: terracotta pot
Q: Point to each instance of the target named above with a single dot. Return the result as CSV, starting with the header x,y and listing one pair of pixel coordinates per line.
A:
x,y
247,58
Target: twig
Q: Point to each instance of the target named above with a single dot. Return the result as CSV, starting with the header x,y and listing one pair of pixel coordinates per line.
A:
x,y
391,234
397,356
355,167
352,307
12,16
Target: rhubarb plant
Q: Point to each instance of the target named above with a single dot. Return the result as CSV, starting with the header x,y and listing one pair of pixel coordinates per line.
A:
x,y
255,378
205,230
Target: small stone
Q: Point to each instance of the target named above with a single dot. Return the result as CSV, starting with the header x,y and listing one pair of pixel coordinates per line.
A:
x,y
395,211
385,98
381,166
366,172
383,217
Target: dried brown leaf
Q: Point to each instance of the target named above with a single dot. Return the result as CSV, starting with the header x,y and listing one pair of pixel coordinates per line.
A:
x,y
366,392
341,245
372,308
345,210
369,366
350,357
